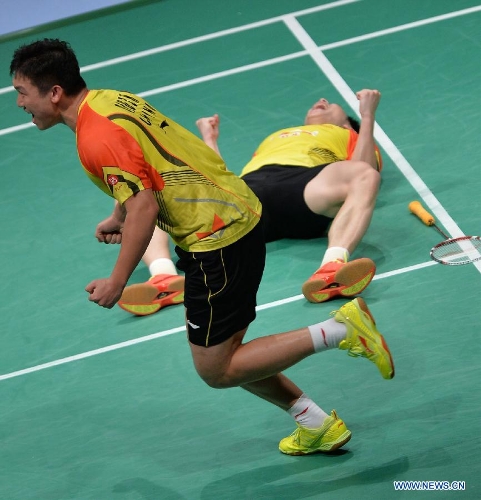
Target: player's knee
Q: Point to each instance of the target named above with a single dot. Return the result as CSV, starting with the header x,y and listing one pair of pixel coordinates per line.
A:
x,y
216,380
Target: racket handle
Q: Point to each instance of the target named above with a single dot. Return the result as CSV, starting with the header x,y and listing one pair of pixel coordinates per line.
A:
x,y
417,209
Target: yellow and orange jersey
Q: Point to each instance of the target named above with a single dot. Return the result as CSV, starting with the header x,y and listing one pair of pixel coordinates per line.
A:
x,y
306,146
125,146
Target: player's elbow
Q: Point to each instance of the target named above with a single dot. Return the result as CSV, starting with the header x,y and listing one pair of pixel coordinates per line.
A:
x,y
143,204
368,178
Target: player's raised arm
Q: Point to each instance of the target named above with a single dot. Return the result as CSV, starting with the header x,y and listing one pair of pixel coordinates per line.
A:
x,y
365,147
209,131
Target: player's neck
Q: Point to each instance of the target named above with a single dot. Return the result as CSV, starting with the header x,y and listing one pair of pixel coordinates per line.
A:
x,y
70,114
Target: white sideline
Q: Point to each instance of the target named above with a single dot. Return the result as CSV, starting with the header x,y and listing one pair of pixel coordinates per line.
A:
x,y
128,343
316,54
249,67
203,38
199,39
381,137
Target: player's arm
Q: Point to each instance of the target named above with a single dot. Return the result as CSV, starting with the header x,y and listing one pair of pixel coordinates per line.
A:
x,y
209,131
138,227
110,229
365,149
140,218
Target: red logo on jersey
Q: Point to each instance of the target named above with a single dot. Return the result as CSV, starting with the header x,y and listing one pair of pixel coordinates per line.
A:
x,y
112,179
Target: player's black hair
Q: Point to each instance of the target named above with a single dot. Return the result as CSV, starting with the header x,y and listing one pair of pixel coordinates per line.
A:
x,y
354,123
46,63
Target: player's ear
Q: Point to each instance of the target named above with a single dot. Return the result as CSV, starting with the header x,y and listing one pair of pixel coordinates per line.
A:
x,y
56,93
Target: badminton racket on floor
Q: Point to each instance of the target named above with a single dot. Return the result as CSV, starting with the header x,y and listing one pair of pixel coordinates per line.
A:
x,y
451,251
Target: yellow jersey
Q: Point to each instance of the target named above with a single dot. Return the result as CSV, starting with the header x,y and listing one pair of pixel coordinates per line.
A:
x,y
125,145
306,146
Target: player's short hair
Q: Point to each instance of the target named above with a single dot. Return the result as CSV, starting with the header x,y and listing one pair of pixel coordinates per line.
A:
x,y
46,63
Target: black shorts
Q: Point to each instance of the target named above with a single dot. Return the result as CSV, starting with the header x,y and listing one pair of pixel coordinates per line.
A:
x,y
285,213
221,288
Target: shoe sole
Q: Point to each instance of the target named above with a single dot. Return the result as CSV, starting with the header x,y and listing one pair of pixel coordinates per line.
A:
x,y
353,278
141,299
325,448
363,306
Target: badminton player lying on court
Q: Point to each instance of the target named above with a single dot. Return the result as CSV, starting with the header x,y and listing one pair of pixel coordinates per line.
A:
x,y
323,174
159,173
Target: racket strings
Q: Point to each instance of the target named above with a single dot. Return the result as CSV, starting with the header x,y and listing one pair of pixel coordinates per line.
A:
x,y
458,251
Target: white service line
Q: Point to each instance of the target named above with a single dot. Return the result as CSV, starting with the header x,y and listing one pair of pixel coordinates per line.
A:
x,y
230,31
89,354
188,83
248,67
211,36
401,27
128,343
345,91
223,74
203,38
16,128
381,137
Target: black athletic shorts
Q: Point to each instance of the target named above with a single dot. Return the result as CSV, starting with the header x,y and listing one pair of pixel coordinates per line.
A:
x,y
221,288
285,213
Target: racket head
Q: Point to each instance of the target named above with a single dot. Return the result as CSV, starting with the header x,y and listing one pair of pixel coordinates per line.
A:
x,y
457,251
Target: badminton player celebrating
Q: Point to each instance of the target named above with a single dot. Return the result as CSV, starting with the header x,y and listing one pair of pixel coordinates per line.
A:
x,y
159,173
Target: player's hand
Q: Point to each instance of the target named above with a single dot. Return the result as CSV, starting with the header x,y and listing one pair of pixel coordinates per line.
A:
x,y
109,231
209,127
104,292
368,102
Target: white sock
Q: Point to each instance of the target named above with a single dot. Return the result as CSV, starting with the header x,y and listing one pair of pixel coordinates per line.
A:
x,y
162,266
306,413
327,334
335,253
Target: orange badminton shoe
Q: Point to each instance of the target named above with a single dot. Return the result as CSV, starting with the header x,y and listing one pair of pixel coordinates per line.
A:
x,y
339,278
147,298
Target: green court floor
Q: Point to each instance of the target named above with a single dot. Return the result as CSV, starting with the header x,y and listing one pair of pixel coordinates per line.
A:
x,y
96,404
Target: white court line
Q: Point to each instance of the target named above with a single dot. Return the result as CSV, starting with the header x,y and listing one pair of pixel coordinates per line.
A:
x,y
349,96
203,38
218,34
248,67
223,74
381,137
188,83
16,128
402,27
153,336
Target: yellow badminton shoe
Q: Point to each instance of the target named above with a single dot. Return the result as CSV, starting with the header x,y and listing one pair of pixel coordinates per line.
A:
x,y
339,278
147,298
363,339
332,434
